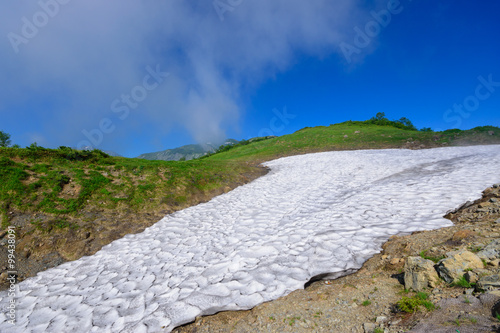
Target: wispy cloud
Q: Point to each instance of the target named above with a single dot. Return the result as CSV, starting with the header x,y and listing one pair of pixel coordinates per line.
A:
x,y
90,52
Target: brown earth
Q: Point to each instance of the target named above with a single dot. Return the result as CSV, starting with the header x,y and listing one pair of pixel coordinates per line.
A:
x,y
366,300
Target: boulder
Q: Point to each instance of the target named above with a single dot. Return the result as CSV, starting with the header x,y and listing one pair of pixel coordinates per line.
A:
x,y
489,283
491,251
462,234
420,274
471,277
453,267
369,327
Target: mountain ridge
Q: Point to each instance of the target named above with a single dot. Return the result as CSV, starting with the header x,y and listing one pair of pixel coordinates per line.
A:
x,y
186,152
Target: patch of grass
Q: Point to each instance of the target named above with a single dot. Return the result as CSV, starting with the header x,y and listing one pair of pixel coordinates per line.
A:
x,y
51,225
318,314
473,320
485,264
350,286
366,303
413,304
378,330
291,320
424,255
404,292
497,316
272,318
474,248
457,322
462,282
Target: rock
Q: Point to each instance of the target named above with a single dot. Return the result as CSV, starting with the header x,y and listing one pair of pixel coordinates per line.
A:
x,y
395,322
381,319
491,133
489,283
494,263
496,185
452,268
357,132
394,261
469,291
385,256
462,234
493,200
419,274
26,253
491,251
346,136
471,277
369,327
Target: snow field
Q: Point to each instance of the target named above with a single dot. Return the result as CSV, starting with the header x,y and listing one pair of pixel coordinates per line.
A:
x,y
313,214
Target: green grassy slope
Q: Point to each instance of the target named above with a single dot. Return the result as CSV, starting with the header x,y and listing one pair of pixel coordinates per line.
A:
x,y
65,181
355,135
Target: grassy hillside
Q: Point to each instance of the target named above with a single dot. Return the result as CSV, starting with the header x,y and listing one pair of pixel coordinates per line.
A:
x,y
65,181
355,135
66,204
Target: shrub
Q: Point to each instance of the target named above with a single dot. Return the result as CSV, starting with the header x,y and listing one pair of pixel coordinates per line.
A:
x,y
4,139
412,304
381,120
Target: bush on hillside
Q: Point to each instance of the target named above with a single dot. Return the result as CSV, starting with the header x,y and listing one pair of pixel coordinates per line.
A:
x,y
381,120
4,139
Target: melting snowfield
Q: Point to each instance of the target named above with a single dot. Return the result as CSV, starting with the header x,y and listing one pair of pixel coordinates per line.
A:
x,y
311,215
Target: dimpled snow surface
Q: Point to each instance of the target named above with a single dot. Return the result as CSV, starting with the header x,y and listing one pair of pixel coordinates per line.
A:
x,y
312,214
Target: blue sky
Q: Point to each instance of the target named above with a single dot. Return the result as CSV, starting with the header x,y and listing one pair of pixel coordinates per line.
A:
x,y
136,77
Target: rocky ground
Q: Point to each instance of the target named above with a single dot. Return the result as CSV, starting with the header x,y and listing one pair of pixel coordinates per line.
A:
x,y
366,301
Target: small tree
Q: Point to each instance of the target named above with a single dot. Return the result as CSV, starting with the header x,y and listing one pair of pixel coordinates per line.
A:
x,y
405,121
380,116
4,139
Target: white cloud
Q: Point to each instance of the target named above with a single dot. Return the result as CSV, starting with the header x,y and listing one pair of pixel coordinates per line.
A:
x,y
93,51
